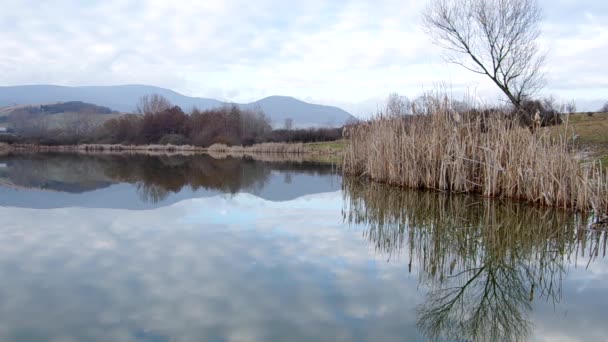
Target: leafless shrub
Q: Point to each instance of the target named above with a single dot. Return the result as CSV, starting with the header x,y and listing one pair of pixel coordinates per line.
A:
x,y
151,104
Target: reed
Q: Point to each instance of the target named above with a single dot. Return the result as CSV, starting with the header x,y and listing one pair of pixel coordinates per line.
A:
x,y
489,154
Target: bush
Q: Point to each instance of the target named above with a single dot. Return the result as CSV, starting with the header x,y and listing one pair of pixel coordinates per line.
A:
x,y
173,139
9,139
304,135
548,109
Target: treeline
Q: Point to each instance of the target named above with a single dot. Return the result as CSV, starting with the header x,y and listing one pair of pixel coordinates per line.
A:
x,y
227,125
157,121
81,173
548,110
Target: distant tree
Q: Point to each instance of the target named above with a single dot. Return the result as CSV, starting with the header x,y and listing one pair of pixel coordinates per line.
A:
x,y
78,124
169,121
571,107
604,108
495,38
151,104
124,129
28,122
288,124
397,105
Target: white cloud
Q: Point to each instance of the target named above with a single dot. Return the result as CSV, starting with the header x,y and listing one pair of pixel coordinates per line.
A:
x,y
335,52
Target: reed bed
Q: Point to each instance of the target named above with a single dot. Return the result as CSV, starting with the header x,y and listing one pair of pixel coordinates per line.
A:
x,y
490,155
262,148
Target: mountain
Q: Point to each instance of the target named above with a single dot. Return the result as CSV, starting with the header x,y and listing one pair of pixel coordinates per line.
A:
x,y
123,98
303,114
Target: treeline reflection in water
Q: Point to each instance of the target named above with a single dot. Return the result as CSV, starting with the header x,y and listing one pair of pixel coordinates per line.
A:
x,y
483,261
155,176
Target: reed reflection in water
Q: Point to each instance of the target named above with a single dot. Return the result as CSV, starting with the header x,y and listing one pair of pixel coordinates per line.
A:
x,y
483,261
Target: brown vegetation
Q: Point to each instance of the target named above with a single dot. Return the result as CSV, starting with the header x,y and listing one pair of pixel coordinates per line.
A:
x,y
482,154
157,122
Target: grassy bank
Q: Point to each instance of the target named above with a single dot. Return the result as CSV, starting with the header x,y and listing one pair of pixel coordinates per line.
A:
x,y
493,157
106,148
327,152
331,147
591,132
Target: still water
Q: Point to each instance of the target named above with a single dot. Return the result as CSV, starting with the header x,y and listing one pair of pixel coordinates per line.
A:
x,y
195,248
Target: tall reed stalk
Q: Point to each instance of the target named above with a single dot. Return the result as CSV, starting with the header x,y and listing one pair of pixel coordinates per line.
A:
x,y
489,154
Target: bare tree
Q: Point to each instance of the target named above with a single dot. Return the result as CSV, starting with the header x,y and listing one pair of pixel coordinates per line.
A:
x,y
150,104
604,108
79,124
28,122
397,105
288,124
496,38
571,107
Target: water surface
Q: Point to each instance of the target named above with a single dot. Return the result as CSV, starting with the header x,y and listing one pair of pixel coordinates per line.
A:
x,y
194,248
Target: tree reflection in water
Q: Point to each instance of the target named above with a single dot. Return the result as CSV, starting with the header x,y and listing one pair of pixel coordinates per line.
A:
x,y
155,176
484,261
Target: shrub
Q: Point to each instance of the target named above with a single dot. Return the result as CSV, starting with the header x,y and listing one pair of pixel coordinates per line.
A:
x,y
173,139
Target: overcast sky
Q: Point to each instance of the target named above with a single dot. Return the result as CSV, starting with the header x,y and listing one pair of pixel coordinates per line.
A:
x,y
350,53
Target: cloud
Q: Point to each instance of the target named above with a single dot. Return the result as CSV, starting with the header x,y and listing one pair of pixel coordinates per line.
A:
x,y
344,52
184,273
231,269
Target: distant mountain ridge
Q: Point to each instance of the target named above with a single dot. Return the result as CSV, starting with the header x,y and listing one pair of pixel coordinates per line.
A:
x,y
123,98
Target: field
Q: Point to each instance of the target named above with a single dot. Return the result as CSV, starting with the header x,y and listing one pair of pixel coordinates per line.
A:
x,y
591,135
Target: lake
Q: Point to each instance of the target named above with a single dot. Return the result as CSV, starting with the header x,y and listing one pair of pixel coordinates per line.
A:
x,y
119,247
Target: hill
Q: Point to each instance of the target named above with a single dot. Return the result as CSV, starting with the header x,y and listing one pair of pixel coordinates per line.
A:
x,y
123,98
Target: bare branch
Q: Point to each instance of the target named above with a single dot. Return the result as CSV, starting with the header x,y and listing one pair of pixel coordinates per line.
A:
x,y
496,38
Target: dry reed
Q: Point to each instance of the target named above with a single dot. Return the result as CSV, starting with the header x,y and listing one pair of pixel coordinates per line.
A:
x,y
490,155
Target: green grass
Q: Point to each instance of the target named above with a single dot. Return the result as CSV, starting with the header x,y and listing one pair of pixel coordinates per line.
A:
x,y
591,129
591,132
327,151
328,146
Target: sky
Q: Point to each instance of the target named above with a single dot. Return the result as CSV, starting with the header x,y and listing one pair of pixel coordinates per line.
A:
x,y
349,53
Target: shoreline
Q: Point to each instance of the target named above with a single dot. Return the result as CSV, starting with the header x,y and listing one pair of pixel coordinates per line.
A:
x,y
316,152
